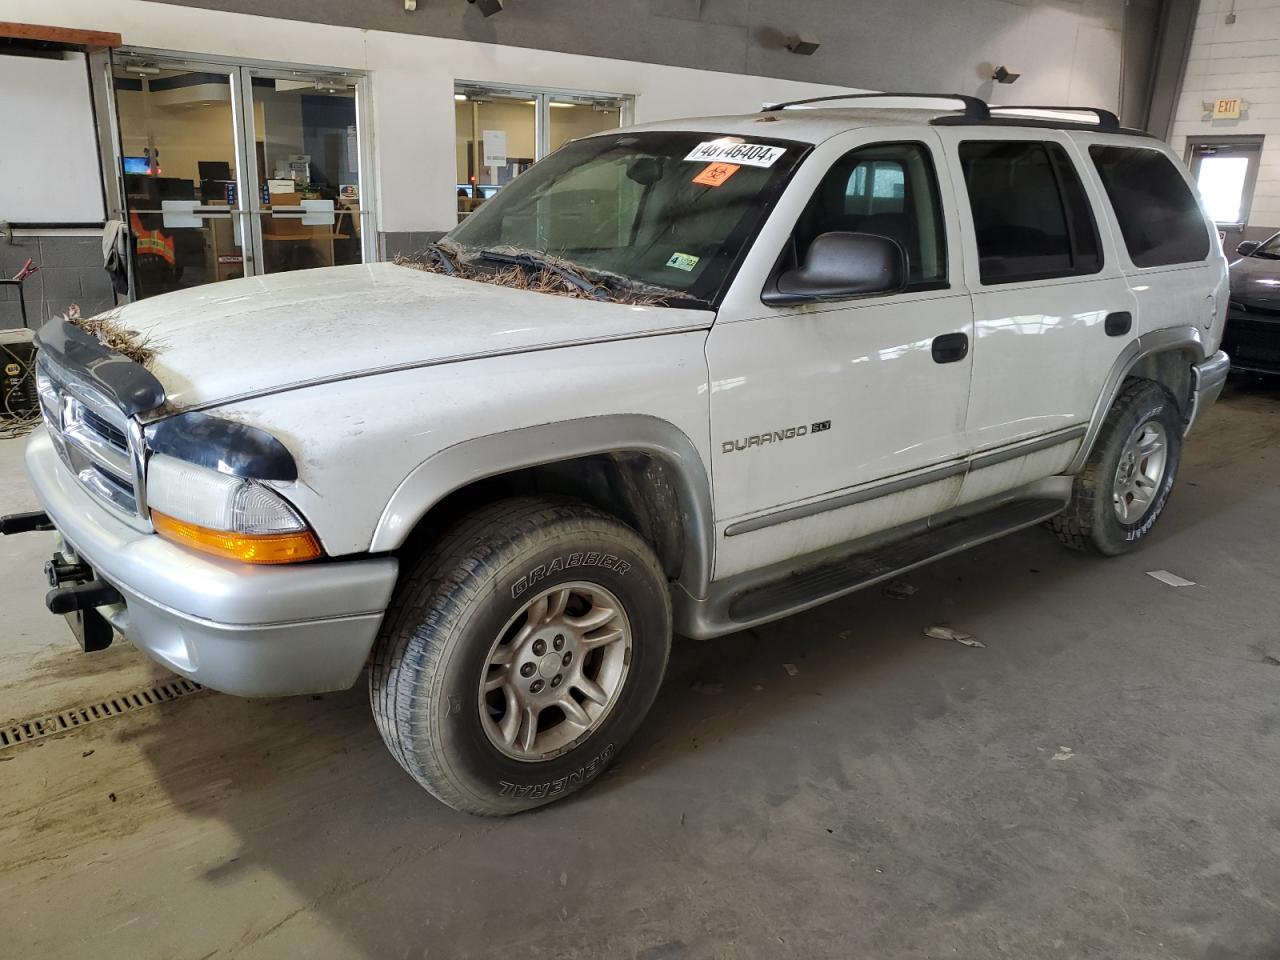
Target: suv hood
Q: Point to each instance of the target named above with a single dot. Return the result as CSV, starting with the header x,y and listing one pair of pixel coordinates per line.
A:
x,y
244,338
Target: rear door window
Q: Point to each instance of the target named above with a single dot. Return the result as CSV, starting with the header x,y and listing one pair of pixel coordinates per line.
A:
x,y
1158,216
1030,214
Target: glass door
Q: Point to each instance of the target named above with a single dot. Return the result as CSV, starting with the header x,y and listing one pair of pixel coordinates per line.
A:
x,y
496,135
179,130
237,170
306,162
500,131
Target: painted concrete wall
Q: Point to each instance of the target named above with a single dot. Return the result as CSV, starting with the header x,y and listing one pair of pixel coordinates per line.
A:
x,y
1068,50
1240,59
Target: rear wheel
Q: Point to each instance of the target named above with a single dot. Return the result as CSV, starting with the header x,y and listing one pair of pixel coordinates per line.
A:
x,y
1123,489
521,654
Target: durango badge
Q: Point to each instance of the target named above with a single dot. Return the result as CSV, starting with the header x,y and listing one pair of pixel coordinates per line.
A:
x,y
774,436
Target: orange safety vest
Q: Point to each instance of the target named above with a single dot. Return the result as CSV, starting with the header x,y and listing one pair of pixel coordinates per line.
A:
x,y
152,243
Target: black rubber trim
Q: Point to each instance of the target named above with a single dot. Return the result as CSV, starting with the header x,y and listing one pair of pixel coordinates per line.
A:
x,y
845,499
983,460
223,445
128,385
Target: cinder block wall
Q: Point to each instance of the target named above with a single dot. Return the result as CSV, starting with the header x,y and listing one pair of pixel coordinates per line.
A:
x,y
1240,59
70,272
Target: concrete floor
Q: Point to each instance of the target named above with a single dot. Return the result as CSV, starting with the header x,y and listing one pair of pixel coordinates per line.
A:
x,y
1103,779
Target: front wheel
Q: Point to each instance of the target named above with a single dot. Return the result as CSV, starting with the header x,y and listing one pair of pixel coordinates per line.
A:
x,y
1123,489
521,654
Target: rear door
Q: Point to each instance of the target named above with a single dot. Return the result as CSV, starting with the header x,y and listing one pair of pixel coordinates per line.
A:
x,y
1052,308
1172,258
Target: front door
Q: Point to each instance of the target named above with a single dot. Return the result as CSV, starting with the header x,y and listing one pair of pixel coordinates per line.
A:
x,y
231,170
833,421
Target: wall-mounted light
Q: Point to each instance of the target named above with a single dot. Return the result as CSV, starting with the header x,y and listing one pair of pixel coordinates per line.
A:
x,y
1004,75
488,7
803,43
462,97
410,6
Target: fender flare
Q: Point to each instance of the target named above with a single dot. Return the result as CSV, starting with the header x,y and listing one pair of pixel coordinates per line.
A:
x,y
1157,341
494,454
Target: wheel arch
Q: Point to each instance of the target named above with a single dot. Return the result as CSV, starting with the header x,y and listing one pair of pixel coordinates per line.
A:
x,y
643,469
1163,356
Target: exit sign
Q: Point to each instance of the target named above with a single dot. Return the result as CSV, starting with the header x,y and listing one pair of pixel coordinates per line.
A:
x,y
1226,108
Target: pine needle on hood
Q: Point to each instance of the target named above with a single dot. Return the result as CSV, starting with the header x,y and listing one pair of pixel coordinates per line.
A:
x,y
536,280
107,329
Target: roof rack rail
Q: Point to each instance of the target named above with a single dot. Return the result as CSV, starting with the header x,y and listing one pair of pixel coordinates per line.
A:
x,y
975,108
1106,119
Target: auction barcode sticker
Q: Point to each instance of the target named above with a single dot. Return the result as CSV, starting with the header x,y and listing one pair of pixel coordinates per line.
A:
x,y
734,151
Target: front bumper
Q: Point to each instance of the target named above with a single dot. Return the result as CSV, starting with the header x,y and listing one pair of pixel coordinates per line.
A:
x,y
253,631
1252,337
1207,379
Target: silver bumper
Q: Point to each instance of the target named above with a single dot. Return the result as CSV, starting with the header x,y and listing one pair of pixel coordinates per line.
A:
x,y
245,630
1207,380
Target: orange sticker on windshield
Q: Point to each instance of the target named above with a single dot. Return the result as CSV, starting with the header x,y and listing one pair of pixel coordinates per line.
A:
x,y
714,174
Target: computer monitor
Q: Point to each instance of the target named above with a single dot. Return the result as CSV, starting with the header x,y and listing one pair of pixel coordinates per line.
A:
x,y
214,170
137,165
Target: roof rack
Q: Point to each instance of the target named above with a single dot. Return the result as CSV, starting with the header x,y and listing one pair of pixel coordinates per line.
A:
x,y
976,111
1106,119
975,108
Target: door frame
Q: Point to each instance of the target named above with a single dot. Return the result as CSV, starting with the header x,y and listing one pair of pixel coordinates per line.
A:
x,y
240,70
1252,141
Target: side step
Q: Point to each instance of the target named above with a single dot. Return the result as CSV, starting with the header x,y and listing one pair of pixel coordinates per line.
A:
x,y
831,580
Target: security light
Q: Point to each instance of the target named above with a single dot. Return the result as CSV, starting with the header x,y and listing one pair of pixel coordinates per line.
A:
x,y
488,7
1004,75
802,43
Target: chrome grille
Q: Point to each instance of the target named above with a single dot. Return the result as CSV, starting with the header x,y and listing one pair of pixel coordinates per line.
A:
x,y
92,437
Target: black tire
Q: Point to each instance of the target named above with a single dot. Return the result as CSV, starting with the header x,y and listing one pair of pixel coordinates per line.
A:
x,y
1090,522
449,611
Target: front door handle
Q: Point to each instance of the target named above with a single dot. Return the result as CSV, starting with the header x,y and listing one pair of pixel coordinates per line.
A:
x,y
950,347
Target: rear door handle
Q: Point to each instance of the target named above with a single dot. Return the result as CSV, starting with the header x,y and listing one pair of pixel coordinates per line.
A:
x,y
1118,324
950,347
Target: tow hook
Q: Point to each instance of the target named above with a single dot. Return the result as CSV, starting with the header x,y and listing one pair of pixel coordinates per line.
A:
x,y
25,522
81,596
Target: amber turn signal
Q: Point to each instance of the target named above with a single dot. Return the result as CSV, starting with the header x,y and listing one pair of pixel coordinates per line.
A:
x,y
247,548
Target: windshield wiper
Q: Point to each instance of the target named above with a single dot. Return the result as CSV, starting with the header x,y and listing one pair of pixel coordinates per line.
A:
x,y
533,262
442,257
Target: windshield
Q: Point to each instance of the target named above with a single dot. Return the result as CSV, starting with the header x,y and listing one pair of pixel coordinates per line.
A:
x,y
666,210
1269,250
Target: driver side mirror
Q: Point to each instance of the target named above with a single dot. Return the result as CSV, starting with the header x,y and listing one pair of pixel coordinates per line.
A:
x,y
1248,248
841,266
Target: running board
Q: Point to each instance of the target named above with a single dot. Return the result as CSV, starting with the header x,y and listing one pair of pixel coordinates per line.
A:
x,y
731,609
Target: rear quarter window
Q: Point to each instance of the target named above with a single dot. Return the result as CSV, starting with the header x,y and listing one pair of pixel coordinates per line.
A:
x,y
1157,213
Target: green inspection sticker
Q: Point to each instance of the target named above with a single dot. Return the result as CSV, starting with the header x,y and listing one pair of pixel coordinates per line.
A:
x,y
683,261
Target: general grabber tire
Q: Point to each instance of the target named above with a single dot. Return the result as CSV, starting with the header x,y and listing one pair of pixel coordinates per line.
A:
x,y
520,654
1123,489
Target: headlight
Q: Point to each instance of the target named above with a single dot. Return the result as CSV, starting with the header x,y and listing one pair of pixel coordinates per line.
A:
x,y
224,515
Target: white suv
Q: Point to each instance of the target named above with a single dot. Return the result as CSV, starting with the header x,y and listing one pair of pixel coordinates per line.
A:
x,y
793,353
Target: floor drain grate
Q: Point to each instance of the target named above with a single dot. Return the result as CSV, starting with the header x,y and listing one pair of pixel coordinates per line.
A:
x,y
24,731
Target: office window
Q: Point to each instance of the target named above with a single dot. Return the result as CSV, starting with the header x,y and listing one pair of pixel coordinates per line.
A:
x,y
888,189
1158,216
1030,213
